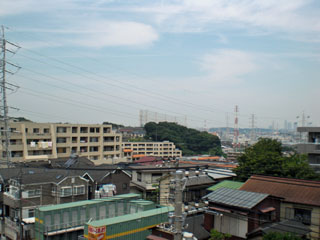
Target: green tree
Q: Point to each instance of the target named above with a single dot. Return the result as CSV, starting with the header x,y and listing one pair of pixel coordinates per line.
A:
x,y
280,236
190,141
266,158
215,235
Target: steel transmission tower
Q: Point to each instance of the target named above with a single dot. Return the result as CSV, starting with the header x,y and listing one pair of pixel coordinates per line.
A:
x,y
5,132
236,129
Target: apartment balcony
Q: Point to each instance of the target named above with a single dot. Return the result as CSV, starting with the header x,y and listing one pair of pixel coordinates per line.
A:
x,y
309,148
39,148
11,228
38,136
11,200
109,143
16,147
15,135
144,186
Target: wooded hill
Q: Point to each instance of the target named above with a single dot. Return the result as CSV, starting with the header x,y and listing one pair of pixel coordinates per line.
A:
x,y
190,141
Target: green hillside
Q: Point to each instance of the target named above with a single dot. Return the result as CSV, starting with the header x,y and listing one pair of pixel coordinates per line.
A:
x,y
190,141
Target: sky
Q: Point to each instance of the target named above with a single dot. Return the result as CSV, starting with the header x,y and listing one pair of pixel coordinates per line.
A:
x,y
85,61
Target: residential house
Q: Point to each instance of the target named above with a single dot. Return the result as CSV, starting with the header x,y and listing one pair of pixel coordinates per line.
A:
x,y
239,212
98,178
196,184
34,187
145,181
311,146
301,198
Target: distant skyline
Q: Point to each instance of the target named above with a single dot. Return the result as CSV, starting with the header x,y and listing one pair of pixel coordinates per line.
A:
x,y
95,61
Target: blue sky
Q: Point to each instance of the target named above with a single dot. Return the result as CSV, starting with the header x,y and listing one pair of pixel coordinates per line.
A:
x,y
93,61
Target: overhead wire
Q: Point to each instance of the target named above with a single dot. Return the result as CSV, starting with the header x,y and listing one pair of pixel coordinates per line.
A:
x,y
57,60
113,96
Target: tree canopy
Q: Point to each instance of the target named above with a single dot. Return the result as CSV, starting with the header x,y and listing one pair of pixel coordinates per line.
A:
x,y
189,140
280,236
266,158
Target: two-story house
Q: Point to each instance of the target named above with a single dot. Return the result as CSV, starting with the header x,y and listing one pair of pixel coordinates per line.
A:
x,y
300,199
34,187
195,187
98,178
146,182
239,213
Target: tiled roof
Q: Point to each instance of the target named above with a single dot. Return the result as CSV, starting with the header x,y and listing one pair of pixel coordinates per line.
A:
x,y
292,190
236,198
226,184
198,180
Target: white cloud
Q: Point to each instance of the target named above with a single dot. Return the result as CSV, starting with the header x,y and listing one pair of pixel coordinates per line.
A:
x,y
185,15
111,33
15,7
228,66
95,33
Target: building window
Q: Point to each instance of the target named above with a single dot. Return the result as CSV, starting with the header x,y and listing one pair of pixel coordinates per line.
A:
x,y
267,217
139,177
46,130
33,193
62,150
303,215
30,213
36,130
61,140
66,191
83,130
78,190
108,139
94,139
74,150
106,130
61,129
93,149
108,148
74,129
124,186
83,149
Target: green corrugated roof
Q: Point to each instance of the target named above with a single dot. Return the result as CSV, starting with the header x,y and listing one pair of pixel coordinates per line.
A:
x,y
226,184
87,202
129,217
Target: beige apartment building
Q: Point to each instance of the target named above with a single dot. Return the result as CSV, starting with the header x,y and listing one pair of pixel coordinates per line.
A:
x,y
135,150
37,141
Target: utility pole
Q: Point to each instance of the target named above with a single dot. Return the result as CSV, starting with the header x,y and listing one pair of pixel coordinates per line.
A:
x,y
4,86
227,127
178,218
20,204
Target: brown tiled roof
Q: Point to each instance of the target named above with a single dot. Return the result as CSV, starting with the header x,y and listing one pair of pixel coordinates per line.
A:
x,y
292,190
